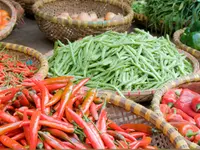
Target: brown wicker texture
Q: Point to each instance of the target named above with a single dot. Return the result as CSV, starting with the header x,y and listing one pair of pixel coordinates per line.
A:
x,y
7,5
179,44
140,19
19,9
130,112
27,5
63,29
25,53
191,82
147,95
127,1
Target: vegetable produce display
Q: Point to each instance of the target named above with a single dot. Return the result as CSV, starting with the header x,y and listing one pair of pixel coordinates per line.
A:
x,y
120,61
174,14
191,36
46,115
12,70
181,108
92,16
4,19
139,6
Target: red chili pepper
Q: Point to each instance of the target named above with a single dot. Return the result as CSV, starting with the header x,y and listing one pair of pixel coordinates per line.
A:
x,y
23,142
39,144
62,79
150,147
185,100
34,129
8,97
56,86
69,145
197,139
36,99
114,126
22,99
165,109
51,140
185,129
14,132
116,135
138,134
7,117
184,115
78,86
9,127
123,145
196,104
26,93
170,97
26,128
18,136
64,99
5,140
88,132
138,127
55,98
47,146
108,141
93,111
173,117
141,143
197,120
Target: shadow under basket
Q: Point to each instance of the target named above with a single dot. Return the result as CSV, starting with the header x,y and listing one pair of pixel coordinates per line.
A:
x,y
124,111
191,82
46,12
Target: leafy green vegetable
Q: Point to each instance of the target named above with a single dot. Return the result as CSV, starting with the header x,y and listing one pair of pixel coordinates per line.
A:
x,y
139,6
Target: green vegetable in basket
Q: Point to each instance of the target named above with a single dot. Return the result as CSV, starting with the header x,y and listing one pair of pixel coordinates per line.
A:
x,y
120,61
139,6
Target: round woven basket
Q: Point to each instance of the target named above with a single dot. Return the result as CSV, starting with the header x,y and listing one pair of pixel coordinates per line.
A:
x,y
19,9
191,82
140,19
27,5
147,95
179,44
124,111
55,28
26,54
7,5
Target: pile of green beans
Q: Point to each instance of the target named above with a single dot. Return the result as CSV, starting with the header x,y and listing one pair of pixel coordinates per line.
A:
x,y
120,61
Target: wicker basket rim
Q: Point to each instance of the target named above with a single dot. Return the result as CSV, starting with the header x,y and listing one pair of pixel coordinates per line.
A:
x,y
152,91
126,19
43,70
11,24
159,93
148,115
176,38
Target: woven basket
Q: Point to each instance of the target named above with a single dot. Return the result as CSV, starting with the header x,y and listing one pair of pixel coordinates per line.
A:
x,y
7,5
25,53
191,82
63,29
131,112
179,44
147,95
19,9
27,5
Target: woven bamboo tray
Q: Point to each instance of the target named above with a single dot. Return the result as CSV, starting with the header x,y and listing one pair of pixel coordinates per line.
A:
x,y
126,111
147,95
27,5
179,44
7,5
191,82
25,53
62,29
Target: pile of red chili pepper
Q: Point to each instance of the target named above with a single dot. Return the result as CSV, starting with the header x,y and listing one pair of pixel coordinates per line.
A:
x,y
13,71
181,108
57,114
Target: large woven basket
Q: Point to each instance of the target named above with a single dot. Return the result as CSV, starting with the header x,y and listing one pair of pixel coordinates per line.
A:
x,y
7,5
126,111
27,5
26,54
62,29
19,9
147,95
179,44
191,82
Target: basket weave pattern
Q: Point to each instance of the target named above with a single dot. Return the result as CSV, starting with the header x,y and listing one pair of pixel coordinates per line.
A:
x,y
7,5
191,82
179,44
25,53
27,5
131,112
63,29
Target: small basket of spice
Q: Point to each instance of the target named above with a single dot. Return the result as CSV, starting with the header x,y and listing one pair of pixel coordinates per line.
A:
x,y
71,20
178,103
70,118
19,63
9,16
188,39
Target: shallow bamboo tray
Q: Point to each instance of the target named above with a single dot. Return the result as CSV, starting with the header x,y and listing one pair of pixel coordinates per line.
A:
x,y
191,82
